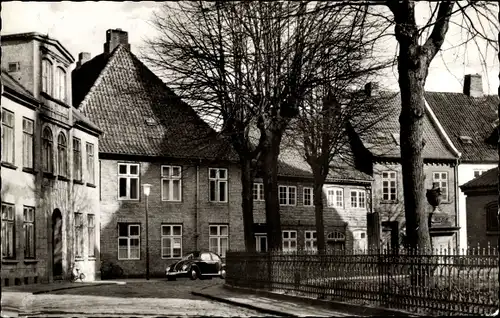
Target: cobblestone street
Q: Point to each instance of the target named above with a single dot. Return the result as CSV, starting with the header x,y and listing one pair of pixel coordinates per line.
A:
x,y
132,297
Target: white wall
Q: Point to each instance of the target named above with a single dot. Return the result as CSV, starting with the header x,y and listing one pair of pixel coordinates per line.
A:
x,y
465,174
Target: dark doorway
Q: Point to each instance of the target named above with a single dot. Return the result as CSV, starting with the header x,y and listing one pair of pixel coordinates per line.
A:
x,y
390,232
57,244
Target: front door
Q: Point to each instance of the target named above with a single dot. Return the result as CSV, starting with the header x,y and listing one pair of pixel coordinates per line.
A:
x,y
57,244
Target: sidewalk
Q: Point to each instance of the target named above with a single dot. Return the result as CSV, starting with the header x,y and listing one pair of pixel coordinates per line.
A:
x,y
284,305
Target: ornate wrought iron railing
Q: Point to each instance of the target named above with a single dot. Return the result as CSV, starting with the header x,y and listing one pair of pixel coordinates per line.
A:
x,y
438,283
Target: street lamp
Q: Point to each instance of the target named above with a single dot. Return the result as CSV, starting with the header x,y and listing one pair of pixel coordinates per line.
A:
x,y
147,189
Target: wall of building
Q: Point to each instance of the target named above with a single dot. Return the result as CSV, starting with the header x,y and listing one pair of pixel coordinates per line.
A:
x,y
347,220
477,235
20,189
114,211
23,52
394,211
465,174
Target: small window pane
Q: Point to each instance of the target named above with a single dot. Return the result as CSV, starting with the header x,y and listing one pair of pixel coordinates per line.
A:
x,y
134,242
134,230
213,230
223,230
122,169
222,173
134,188
123,252
134,169
177,230
213,173
122,229
166,189
165,230
165,171
176,171
212,190
222,191
122,187
176,190
123,242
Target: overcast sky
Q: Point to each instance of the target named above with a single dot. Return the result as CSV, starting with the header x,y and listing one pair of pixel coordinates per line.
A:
x,y
81,27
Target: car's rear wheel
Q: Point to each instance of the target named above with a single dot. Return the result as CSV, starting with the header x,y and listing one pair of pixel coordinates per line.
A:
x,y
193,274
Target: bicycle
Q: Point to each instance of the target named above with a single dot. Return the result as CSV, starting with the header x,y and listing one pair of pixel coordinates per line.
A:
x,y
77,275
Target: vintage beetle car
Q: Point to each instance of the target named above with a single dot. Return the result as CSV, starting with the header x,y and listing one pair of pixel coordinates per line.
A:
x,y
197,265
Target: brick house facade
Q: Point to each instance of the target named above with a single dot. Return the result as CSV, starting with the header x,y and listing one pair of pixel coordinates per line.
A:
x,y
41,189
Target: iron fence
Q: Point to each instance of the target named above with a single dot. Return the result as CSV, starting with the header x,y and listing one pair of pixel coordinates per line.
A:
x,y
452,284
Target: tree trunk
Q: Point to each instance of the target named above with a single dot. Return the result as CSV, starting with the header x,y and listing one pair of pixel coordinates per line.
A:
x,y
247,177
318,211
270,179
412,75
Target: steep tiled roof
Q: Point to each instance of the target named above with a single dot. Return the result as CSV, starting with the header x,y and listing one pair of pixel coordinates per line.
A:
x,y
485,180
14,85
462,115
86,76
139,114
384,142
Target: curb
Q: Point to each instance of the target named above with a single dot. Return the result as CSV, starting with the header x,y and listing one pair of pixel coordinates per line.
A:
x,y
69,287
245,305
329,304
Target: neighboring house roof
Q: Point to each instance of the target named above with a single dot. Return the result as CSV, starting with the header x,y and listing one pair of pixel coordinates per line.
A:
x,y
383,141
10,82
139,114
292,164
488,179
468,121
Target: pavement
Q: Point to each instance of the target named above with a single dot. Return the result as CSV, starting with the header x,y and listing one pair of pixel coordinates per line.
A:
x,y
159,297
291,306
131,297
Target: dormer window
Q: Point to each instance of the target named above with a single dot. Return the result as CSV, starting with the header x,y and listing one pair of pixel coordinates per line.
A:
x,y
466,139
47,76
60,84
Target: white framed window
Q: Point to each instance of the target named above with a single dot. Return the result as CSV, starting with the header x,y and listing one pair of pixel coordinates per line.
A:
x,y
27,143
60,84
258,192
308,196
77,159
217,178
8,231
29,231
287,195
389,186
128,181
90,163
171,183
442,179
219,239
171,241
47,76
7,136
358,199
91,234
310,241
260,242
47,150
62,155
335,197
289,239
79,235
129,241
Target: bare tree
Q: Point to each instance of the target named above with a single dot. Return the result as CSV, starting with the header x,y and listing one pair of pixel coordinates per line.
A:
x,y
246,66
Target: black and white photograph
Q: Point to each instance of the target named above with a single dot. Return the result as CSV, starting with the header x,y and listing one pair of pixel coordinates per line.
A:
x,y
250,158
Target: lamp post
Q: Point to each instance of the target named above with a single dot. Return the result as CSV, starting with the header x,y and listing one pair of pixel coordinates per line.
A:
x,y
147,189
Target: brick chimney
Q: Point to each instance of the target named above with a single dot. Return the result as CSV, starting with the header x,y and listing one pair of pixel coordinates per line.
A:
x,y
371,89
114,38
473,85
83,57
